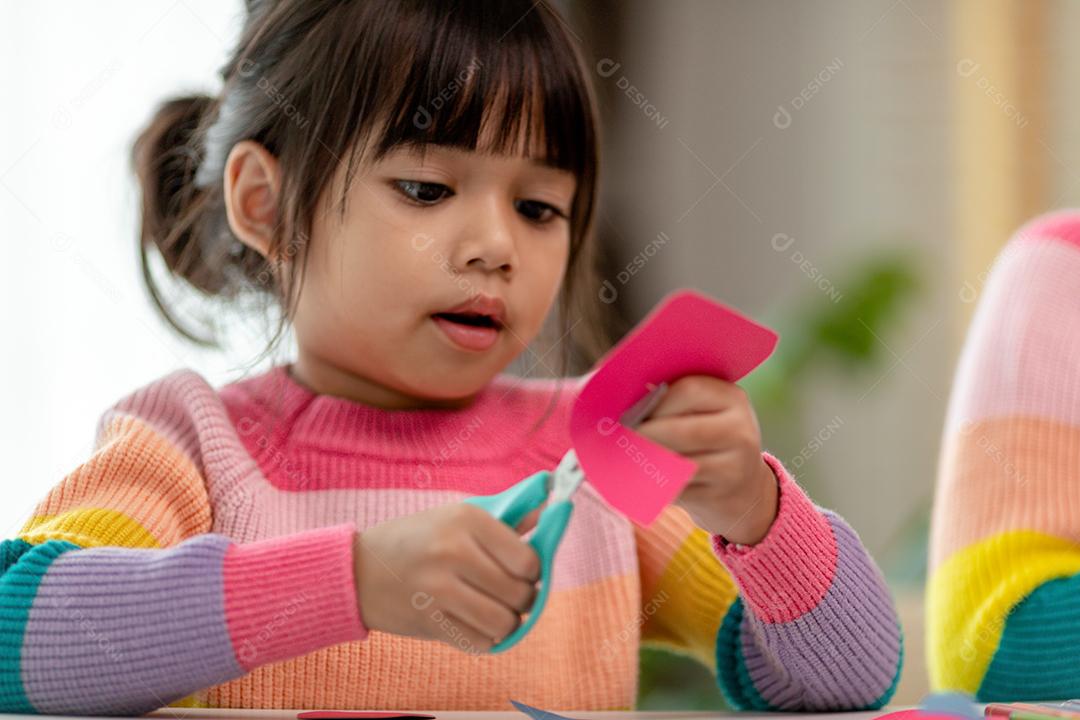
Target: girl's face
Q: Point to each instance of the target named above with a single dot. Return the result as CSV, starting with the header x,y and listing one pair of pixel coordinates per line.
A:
x,y
418,238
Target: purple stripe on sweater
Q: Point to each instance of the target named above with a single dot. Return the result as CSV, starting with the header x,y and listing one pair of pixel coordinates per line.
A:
x,y
844,652
123,631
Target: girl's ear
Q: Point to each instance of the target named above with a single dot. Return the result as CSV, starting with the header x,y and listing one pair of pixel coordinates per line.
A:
x,y
252,182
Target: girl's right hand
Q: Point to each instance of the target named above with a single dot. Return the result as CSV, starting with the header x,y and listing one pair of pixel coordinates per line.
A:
x,y
453,573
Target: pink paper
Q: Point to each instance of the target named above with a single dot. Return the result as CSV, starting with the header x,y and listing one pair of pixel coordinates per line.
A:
x,y
687,333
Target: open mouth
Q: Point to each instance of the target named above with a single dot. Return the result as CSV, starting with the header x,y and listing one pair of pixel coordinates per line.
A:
x,y
474,320
469,330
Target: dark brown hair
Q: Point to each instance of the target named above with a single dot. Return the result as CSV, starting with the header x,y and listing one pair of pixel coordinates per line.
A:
x,y
316,81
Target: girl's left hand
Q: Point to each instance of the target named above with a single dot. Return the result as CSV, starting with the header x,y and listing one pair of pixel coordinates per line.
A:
x,y
734,492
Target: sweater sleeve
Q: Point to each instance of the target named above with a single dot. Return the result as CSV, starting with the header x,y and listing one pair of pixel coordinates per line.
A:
x,y
117,598
1003,599
800,621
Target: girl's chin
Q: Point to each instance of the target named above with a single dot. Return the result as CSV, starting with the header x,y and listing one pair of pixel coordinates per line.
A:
x,y
449,398
453,384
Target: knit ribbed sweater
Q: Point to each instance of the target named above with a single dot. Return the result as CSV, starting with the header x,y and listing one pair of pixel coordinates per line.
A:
x,y
1004,593
203,556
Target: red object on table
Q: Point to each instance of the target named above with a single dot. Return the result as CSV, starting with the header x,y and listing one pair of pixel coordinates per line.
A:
x,y
346,714
916,714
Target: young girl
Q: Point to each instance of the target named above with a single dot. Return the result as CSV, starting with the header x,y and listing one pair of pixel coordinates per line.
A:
x,y
415,183
1002,601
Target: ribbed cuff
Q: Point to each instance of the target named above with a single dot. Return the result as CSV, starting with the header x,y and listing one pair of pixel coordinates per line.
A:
x,y
788,572
291,595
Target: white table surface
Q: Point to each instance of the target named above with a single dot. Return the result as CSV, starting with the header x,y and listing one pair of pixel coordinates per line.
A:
x,y
175,713
207,713
224,714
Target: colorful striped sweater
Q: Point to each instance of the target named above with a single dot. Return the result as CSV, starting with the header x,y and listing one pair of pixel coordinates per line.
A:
x,y
202,556
1003,600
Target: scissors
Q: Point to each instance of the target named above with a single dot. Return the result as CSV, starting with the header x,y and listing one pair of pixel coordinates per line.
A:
x,y
557,489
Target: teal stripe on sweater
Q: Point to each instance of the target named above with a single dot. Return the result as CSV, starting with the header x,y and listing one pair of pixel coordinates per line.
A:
x,y
889,691
22,566
1033,660
731,673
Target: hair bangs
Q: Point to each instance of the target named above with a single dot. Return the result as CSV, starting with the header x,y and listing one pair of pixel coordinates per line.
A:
x,y
492,82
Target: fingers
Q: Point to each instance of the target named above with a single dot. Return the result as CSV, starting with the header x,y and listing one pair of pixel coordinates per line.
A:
x,y
529,521
697,393
490,618
454,631
485,574
507,548
493,577
690,434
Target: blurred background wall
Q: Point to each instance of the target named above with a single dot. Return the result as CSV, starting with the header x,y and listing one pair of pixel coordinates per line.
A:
x,y
843,170
846,171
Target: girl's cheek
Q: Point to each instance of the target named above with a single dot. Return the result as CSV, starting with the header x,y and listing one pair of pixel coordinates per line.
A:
x,y
550,262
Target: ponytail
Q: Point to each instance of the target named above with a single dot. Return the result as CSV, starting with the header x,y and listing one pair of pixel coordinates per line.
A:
x,y
178,214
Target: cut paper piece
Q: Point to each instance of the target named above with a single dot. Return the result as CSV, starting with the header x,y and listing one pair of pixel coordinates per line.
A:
x,y
537,713
344,714
687,333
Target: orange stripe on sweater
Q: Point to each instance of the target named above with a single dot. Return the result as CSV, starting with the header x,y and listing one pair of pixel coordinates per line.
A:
x,y
582,653
1012,473
657,544
137,472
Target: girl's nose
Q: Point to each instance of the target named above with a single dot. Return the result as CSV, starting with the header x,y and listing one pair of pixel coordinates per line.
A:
x,y
488,240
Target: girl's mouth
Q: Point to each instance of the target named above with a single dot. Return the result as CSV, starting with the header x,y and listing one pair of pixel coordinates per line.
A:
x,y
470,331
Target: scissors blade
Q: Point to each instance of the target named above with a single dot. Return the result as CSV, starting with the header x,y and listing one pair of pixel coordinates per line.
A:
x,y
567,477
641,409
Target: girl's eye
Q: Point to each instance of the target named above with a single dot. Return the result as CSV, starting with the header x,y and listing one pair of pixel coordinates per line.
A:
x,y
429,193
425,193
538,212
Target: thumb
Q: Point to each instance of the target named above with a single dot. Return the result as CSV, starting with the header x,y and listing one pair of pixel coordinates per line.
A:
x,y
529,521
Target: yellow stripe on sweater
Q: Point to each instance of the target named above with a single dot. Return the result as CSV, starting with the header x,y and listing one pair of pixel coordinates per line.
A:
x,y
195,700
685,608
88,527
971,594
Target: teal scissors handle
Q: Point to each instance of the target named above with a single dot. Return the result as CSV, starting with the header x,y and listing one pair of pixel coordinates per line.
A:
x,y
511,506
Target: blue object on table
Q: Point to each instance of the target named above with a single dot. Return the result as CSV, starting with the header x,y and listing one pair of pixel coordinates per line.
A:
x,y
537,713
952,703
513,504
